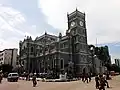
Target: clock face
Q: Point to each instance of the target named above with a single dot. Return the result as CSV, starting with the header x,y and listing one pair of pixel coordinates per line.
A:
x,y
81,23
72,24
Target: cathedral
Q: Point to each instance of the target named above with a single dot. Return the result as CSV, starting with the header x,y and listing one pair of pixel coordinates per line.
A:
x,y
50,53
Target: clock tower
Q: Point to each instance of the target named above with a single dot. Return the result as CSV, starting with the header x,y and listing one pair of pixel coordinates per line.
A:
x,y
77,29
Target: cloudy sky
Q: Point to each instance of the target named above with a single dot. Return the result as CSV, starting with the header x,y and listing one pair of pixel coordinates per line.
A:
x,y
33,17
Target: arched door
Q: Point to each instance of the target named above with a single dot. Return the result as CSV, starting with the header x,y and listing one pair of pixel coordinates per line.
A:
x,y
85,70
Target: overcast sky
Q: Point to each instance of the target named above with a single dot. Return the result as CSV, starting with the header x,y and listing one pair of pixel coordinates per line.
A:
x,y
33,17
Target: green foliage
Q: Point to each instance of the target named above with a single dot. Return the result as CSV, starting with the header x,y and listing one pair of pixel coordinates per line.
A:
x,y
6,68
102,53
97,50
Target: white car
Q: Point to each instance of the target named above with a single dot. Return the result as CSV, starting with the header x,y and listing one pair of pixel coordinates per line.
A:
x,y
13,77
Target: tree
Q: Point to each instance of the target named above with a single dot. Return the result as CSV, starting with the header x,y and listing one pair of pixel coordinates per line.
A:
x,y
6,68
102,53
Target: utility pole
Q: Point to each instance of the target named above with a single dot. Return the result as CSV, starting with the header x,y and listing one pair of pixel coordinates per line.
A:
x,y
96,42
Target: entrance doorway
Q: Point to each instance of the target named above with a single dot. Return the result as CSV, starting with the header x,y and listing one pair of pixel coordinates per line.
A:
x,y
85,70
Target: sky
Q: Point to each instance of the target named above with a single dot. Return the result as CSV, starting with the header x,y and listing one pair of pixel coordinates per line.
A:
x,y
20,18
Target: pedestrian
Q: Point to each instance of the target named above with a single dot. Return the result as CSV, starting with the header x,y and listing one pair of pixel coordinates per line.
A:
x,y
97,81
86,78
105,78
89,76
102,83
0,78
34,80
82,76
26,75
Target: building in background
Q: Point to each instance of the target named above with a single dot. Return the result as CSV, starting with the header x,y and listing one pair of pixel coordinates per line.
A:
x,y
1,58
9,56
117,62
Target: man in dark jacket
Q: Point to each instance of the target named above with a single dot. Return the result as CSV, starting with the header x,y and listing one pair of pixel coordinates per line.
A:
x,y
89,76
34,80
97,81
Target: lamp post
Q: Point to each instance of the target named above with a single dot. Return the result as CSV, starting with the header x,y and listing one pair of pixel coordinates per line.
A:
x,y
92,54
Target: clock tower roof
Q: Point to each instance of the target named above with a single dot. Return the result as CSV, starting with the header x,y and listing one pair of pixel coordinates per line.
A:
x,y
76,12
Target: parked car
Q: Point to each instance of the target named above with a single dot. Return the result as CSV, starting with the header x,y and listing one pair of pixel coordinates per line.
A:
x,y
13,77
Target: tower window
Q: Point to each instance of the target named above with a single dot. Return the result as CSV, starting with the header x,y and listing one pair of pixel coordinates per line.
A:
x,y
31,49
53,63
62,64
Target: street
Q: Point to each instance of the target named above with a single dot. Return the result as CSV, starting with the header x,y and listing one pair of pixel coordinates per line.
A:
x,y
75,85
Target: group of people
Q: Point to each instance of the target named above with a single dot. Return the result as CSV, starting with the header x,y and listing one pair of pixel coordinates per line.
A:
x,y
33,78
101,82
100,79
86,77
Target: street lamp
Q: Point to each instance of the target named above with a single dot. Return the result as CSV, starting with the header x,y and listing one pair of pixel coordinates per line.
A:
x,y
92,54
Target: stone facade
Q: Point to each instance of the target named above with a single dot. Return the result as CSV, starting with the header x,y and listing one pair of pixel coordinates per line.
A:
x,y
48,52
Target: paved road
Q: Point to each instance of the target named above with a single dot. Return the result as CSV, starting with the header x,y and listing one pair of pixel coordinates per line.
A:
x,y
76,85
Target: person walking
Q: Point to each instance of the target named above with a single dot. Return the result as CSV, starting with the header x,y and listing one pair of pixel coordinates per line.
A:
x,y
82,76
102,83
105,78
86,78
89,76
26,75
97,81
34,80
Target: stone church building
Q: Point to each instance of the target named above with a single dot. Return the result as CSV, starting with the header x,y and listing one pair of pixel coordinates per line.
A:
x,y
50,53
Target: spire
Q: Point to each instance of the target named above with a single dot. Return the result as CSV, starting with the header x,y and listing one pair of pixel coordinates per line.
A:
x,y
45,33
60,35
76,9
67,14
84,13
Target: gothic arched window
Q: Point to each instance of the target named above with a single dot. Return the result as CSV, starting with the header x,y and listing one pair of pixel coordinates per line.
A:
x,y
62,64
32,49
